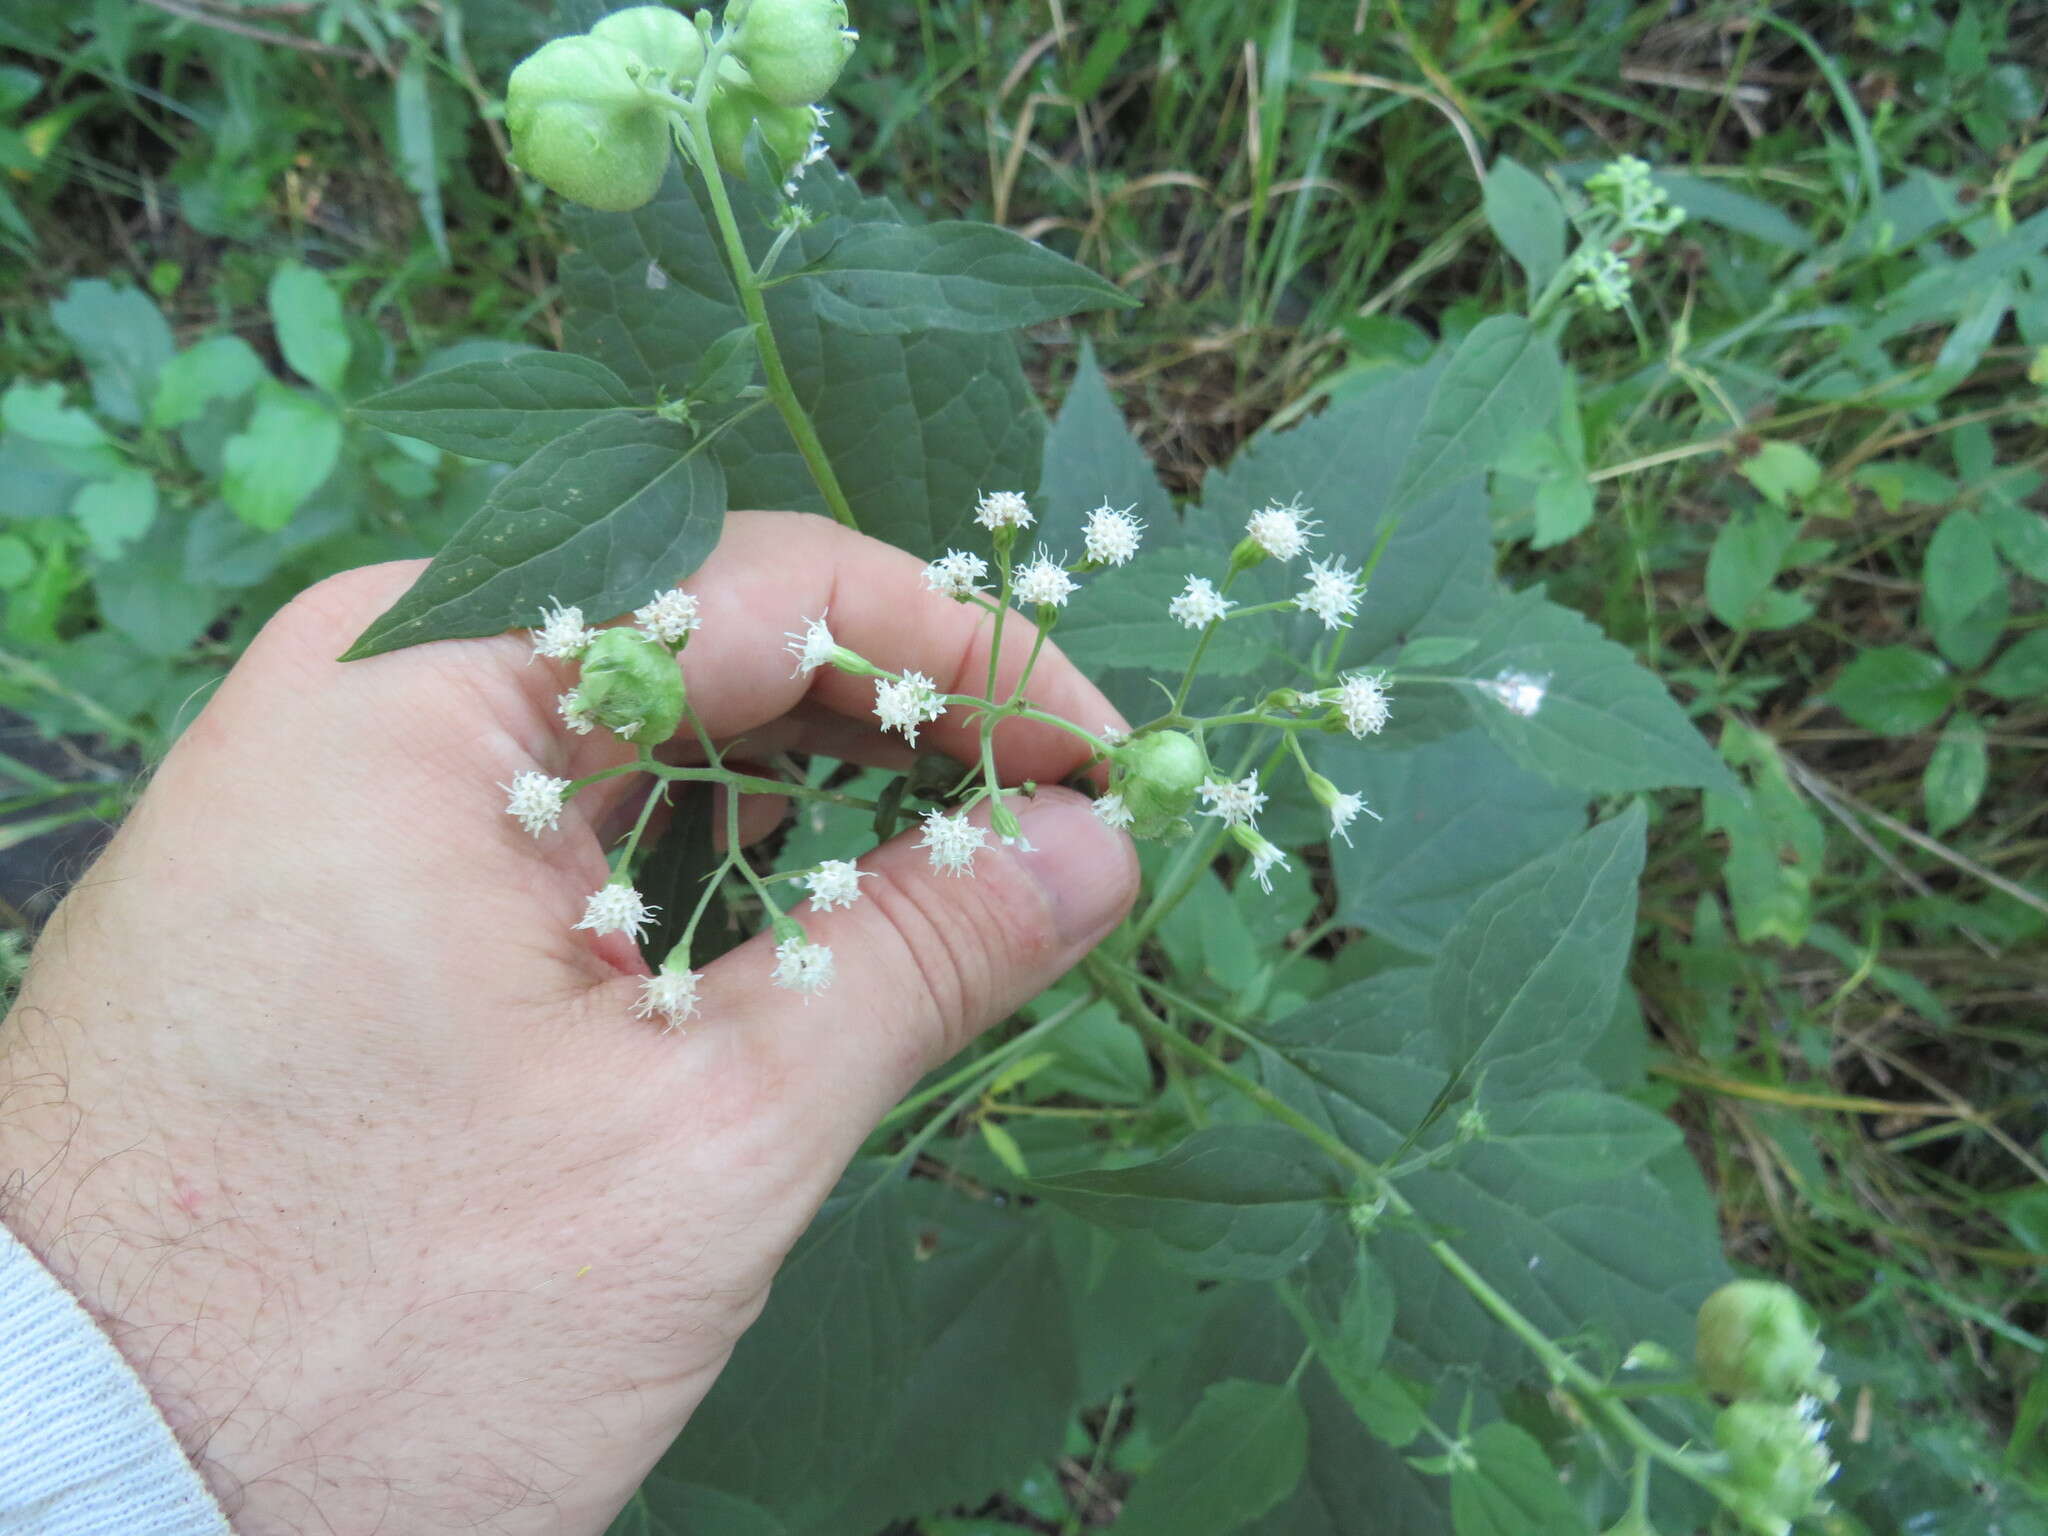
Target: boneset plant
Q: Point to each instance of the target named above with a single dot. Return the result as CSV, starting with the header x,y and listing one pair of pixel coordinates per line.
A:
x,y
1320,1199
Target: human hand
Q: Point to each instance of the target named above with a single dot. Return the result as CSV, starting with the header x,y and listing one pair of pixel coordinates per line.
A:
x,y
356,1149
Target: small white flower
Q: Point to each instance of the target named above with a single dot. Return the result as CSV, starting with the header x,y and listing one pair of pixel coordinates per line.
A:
x,y
956,573
953,841
1363,698
672,994
1520,693
536,799
1346,809
617,908
670,618
1111,535
813,648
1236,802
1043,581
834,883
1265,859
905,703
1111,811
562,633
1332,592
1003,509
570,707
802,966
1200,605
1115,735
1281,532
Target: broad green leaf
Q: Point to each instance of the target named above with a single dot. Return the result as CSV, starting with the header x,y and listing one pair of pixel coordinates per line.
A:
x,y
506,409
17,561
1775,842
1574,1134
282,457
38,412
122,339
1230,1202
311,333
2022,671
665,1506
1569,703
1460,816
1531,970
218,368
115,513
1351,1339
1782,471
1749,551
1502,380
1128,1306
728,366
2021,534
1894,690
1513,1490
623,507
1092,460
144,595
1120,618
1098,1055
1960,575
1239,1454
224,551
1956,774
934,420
898,279
1527,218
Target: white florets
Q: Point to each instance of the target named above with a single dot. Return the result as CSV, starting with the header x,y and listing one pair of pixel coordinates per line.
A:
x,y
1115,735
956,573
1281,532
813,648
536,800
1363,698
1520,693
802,966
1200,604
670,618
905,703
1111,535
1111,811
1332,592
1236,802
672,994
953,841
1346,809
562,633
1003,509
834,883
1265,859
1044,580
617,908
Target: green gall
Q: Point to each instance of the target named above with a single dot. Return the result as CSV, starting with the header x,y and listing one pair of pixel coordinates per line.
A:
x,y
666,41
583,125
1778,1462
794,49
1158,775
786,131
1756,1340
631,686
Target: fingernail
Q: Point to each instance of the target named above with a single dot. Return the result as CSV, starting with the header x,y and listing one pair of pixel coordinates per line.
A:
x,y
1089,872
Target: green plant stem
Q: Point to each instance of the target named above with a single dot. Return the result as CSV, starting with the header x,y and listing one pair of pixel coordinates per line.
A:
x,y
1002,1055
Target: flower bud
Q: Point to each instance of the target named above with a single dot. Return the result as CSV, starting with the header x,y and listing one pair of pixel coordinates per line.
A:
x,y
582,124
785,130
666,41
1158,776
794,49
1778,1462
632,686
1757,1341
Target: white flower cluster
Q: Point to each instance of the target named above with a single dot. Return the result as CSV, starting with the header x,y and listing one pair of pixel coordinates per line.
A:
x,y
1280,531
834,883
802,966
1199,604
812,648
1362,697
535,800
1044,582
1111,811
617,908
1003,509
953,842
671,618
672,994
562,634
956,574
904,703
1111,535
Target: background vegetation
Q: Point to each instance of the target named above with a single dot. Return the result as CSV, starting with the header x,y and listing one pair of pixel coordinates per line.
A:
x,y
1803,479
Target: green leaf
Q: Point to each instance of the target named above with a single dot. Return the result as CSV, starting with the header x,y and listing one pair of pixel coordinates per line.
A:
x,y
115,513
1567,702
121,337
1960,575
1098,1055
2021,534
1956,774
1533,967
1749,551
38,412
17,561
311,332
1513,1490
282,457
1240,1453
1527,218
144,595
506,409
412,117
1091,460
621,508
1230,1202
727,367
1894,690
1782,471
1503,379
665,1506
1575,1134
218,368
1120,619
1460,816
899,279
2022,672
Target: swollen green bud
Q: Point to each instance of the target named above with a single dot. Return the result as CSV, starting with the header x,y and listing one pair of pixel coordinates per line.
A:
x,y
794,49
632,686
1778,1461
785,130
583,125
1158,775
1756,1340
666,41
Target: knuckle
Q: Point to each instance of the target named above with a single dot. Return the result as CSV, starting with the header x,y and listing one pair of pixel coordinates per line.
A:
x,y
953,936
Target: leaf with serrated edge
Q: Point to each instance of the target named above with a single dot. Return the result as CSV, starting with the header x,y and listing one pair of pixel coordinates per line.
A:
x,y
505,409
1503,379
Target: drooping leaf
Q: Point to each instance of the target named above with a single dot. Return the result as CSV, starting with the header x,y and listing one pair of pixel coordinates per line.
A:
x,y
1240,1453
898,279
506,409
311,332
1502,380
121,337
1513,1490
602,519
